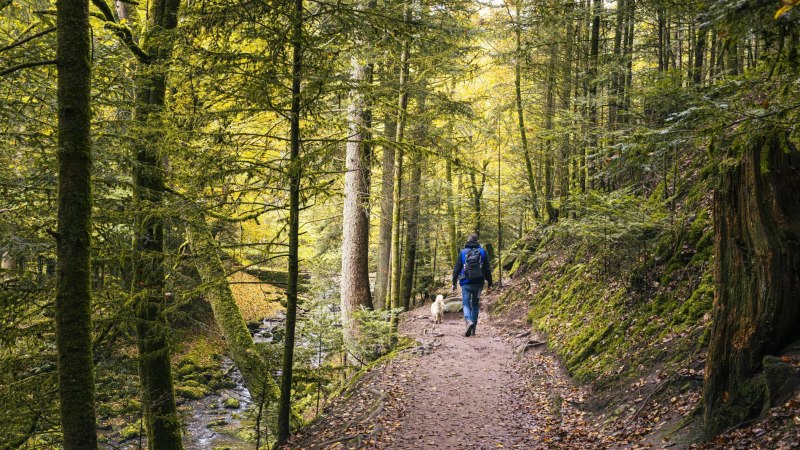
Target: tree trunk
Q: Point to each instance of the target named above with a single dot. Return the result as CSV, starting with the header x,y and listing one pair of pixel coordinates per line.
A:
x,y
477,196
158,398
387,206
295,174
73,246
355,292
394,292
519,56
413,206
566,98
699,53
594,80
552,213
757,277
451,210
257,376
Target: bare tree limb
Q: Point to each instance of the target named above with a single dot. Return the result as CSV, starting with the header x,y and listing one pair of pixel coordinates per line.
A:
x,y
27,39
8,70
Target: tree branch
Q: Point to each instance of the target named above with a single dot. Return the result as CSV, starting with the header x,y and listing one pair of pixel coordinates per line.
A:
x,y
27,39
123,32
8,70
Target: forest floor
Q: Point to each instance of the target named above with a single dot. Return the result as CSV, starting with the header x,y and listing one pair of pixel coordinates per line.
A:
x,y
498,389
504,388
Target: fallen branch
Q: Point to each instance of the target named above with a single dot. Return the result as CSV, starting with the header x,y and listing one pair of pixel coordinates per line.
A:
x,y
647,399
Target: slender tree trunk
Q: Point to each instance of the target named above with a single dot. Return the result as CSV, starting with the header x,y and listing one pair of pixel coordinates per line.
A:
x,y
631,4
242,350
413,206
355,236
566,98
477,196
295,175
757,277
616,73
518,58
158,398
699,53
451,211
552,213
73,246
387,208
394,293
594,80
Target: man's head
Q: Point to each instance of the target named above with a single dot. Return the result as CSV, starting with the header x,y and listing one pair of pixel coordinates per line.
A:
x,y
472,238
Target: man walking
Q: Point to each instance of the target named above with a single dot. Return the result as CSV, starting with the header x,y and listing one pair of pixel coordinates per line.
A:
x,y
471,269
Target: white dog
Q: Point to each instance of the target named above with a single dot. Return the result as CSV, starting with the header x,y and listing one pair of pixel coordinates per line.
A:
x,y
437,309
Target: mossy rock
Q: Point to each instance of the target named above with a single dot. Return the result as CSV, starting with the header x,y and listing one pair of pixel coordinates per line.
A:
x,y
131,431
185,369
224,383
191,392
217,423
231,403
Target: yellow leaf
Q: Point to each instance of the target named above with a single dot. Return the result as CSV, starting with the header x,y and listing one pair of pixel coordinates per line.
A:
x,y
784,9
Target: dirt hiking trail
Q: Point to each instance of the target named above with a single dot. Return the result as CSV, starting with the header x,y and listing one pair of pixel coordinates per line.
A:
x,y
454,392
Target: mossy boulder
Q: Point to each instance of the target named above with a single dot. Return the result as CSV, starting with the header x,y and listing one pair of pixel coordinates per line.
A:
x,y
231,403
131,431
191,392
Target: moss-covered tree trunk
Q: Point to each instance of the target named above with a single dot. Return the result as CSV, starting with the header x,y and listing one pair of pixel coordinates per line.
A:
x,y
757,276
73,289
152,329
242,350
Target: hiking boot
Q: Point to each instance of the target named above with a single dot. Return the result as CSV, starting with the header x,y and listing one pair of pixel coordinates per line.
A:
x,y
470,329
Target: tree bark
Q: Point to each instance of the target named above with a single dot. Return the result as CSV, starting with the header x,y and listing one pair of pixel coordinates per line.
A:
x,y
757,277
158,398
355,292
73,246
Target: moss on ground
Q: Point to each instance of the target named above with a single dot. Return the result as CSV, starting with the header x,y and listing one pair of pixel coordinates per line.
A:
x,y
615,310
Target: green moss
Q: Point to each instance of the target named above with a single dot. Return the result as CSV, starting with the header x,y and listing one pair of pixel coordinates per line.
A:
x,y
231,403
131,431
191,392
217,423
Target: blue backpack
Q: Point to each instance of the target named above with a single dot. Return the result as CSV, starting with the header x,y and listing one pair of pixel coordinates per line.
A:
x,y
472,261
